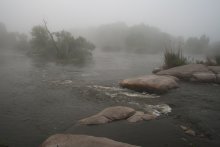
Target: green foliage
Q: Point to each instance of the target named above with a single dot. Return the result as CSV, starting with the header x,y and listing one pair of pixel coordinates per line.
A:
x,y
173,59
61,45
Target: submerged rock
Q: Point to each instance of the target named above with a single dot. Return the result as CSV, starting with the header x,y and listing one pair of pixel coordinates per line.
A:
x,y
109,114
150,83
69,140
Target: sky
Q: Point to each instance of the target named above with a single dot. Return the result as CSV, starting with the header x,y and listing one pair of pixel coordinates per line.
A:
x,y
177,17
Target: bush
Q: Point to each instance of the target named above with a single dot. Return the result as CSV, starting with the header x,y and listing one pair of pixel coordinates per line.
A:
x,y
60,45
173,59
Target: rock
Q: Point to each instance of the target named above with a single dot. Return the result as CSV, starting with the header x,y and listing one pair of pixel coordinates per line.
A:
x,y
185,71
150,83
155,70
190,132
216,70
95,120
149,116
138,116
117,112
203,77
69,140
109,114
184,128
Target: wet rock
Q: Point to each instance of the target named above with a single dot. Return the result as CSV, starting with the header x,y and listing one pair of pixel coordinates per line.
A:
x,y
188,130
203,77
184,128
216,70
194,72
150,83
149,116
95,120
109,114
185,71
156,70
117,112
138,116
69,140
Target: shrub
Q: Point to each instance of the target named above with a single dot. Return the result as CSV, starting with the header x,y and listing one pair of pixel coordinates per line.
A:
x,y
173,59
60,45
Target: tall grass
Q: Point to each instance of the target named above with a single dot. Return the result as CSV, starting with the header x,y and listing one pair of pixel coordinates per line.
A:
x,y
174,58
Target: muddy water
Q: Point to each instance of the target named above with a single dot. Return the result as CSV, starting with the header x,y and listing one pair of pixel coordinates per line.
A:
x,y
38,99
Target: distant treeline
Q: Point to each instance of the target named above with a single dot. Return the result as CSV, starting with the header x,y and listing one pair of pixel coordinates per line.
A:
x,y
144,39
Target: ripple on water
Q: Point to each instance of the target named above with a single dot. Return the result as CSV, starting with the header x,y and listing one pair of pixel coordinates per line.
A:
x,y
117,91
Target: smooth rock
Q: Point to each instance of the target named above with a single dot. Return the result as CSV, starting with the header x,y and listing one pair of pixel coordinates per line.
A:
x,y
138,116
150,83
69,140
149,116
203,77
94,120
215,69
109,114
117,112
190,132
185,71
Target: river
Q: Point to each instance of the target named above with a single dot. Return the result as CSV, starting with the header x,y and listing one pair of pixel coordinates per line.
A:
x,y
38,99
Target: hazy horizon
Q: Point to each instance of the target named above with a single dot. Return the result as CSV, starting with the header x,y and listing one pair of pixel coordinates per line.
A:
x,y
177,17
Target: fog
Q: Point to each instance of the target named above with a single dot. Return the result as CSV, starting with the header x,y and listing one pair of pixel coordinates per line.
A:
x,y
177,17
62,61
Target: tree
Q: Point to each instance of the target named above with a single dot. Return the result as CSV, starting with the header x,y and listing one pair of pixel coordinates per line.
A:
x,y
60,45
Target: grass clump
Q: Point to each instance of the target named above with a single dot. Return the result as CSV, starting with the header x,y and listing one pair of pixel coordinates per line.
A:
x,y
174,58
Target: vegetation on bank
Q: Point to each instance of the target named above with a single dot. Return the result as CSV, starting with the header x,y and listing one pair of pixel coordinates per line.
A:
x,y
174,58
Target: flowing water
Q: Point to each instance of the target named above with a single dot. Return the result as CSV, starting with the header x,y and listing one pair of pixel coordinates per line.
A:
x,y
38,99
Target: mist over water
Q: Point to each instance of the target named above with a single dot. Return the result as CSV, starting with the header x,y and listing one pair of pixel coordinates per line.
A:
x,y
61,61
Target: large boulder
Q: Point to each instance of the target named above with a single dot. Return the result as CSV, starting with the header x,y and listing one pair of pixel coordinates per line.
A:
x,y
194,72
69,140
185,71
109,114
150,83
